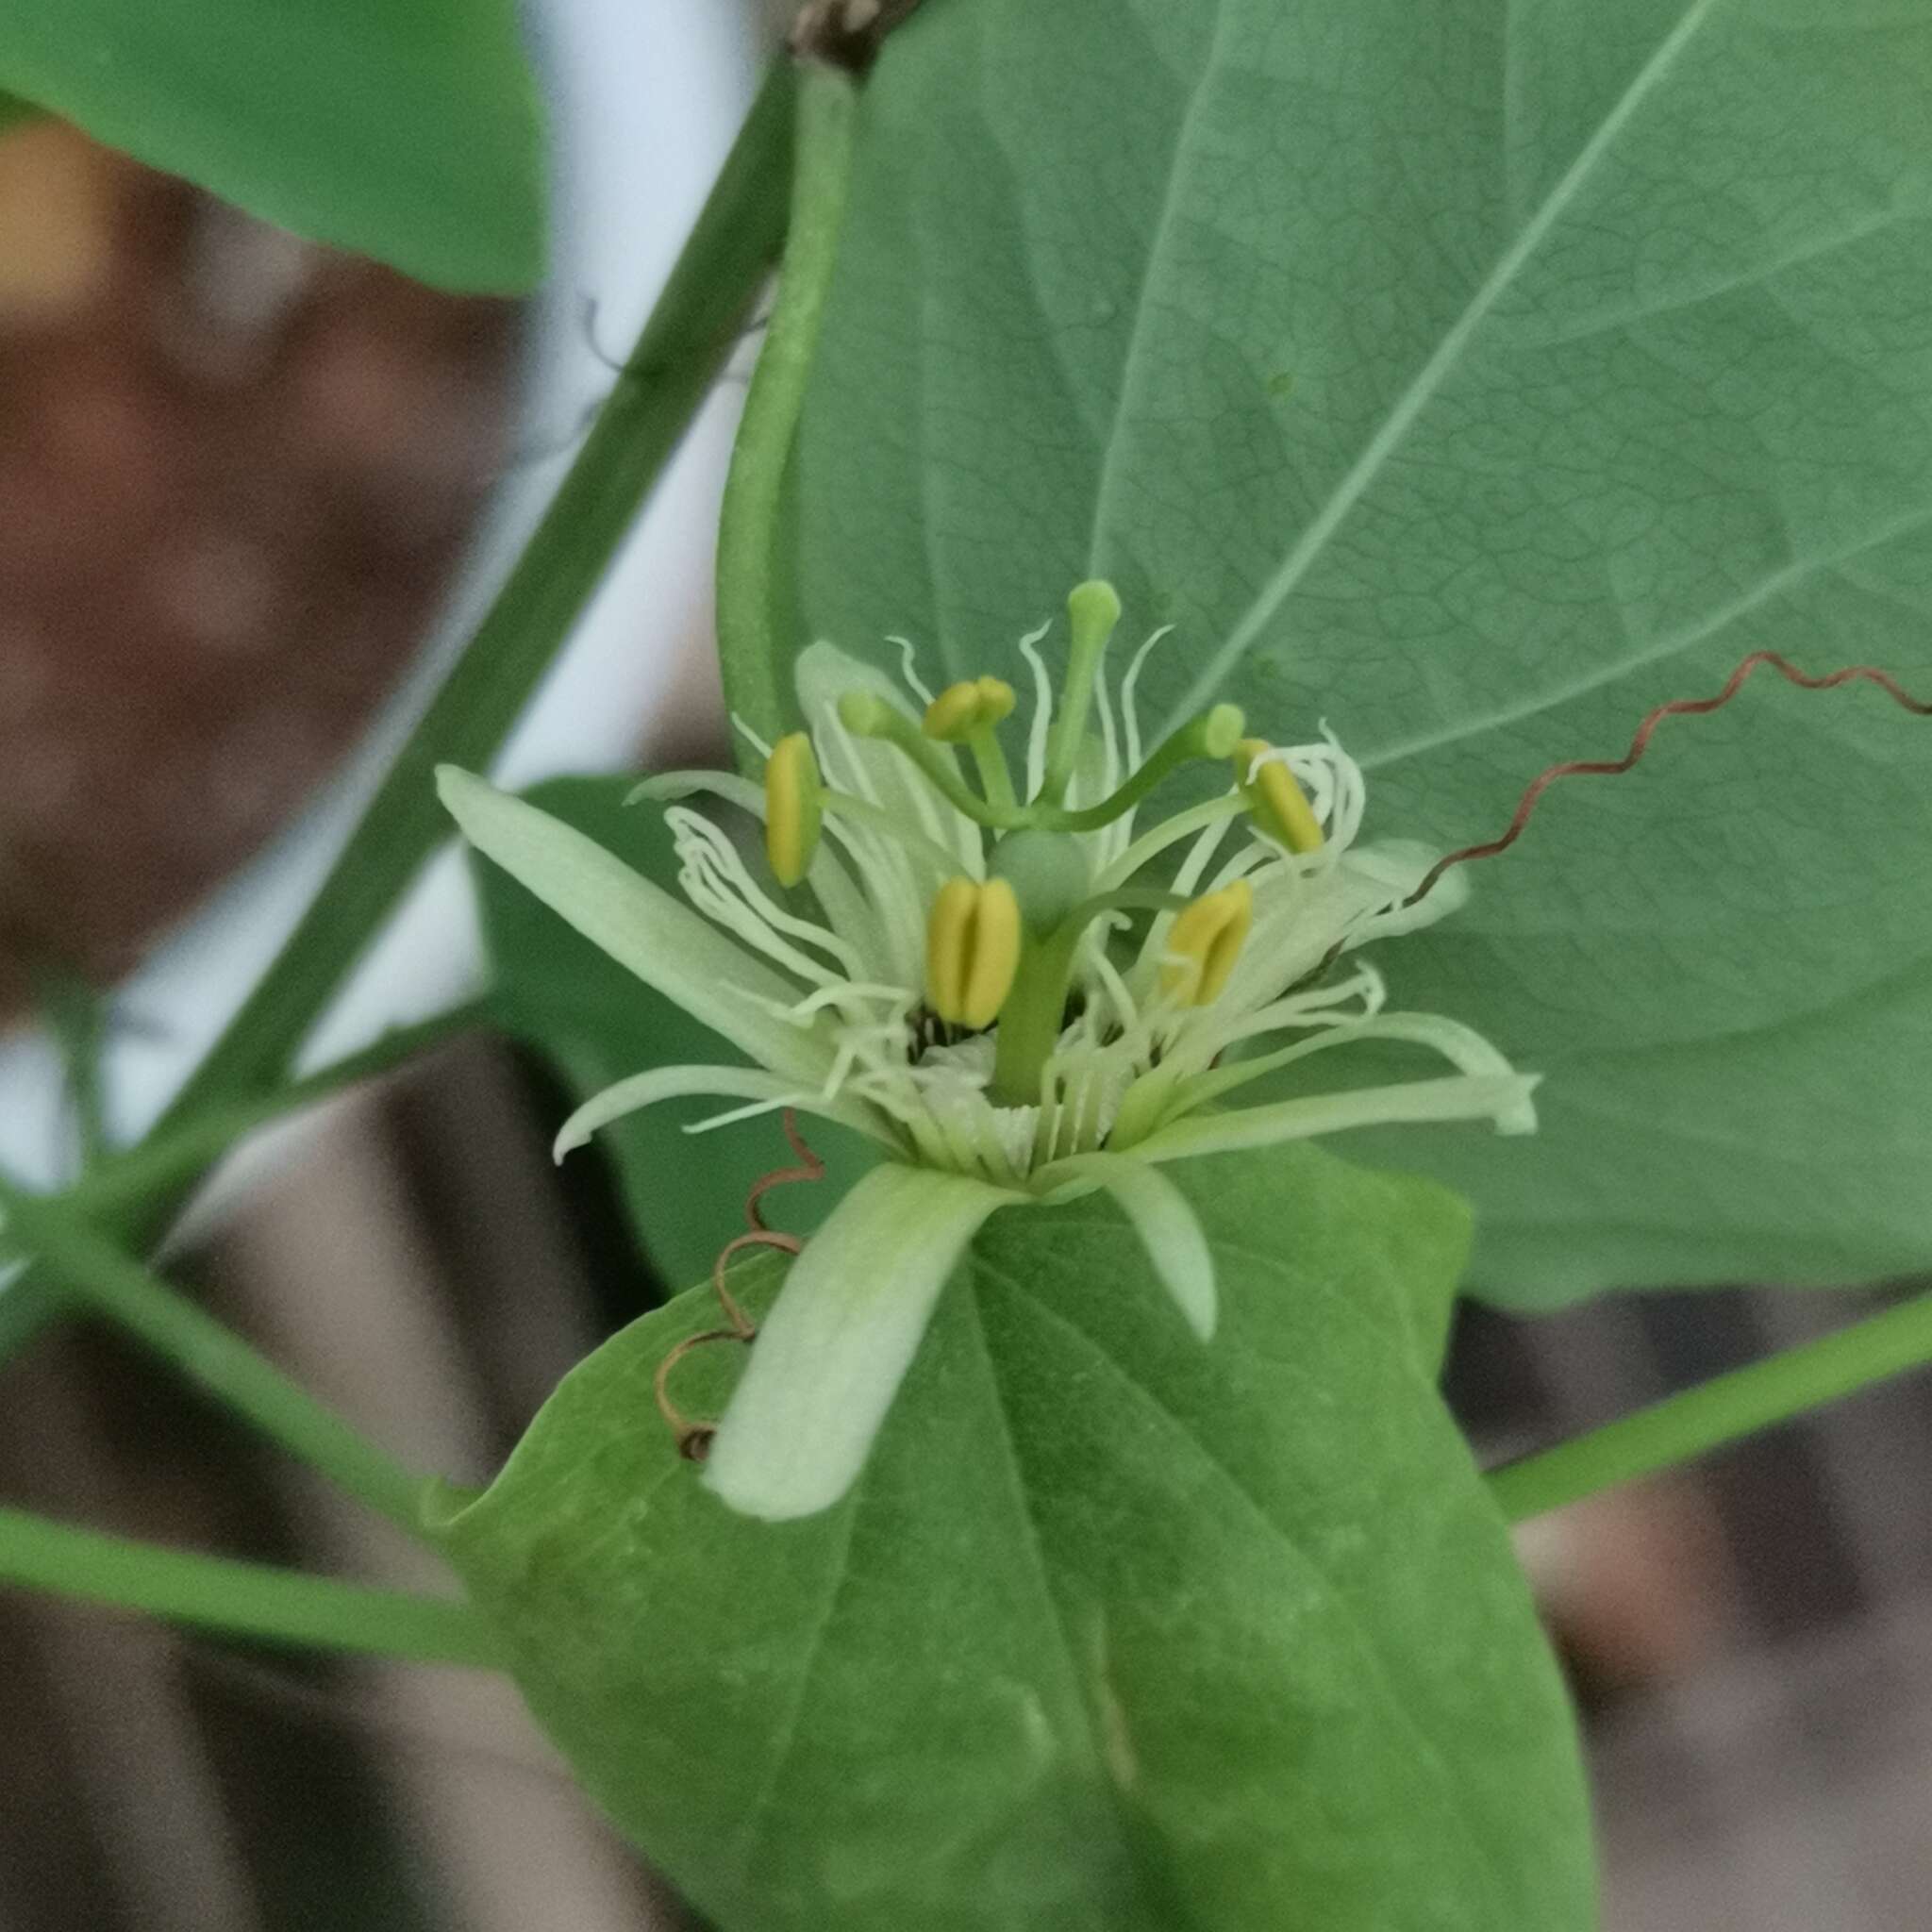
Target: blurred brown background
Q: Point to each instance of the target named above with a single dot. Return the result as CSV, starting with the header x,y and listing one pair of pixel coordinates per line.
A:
x,y
235,469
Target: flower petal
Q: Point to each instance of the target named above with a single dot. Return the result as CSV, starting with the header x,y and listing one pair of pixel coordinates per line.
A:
x,y
665,943
830,1356
1502,1098
1462,1046
739,1083
1162,1218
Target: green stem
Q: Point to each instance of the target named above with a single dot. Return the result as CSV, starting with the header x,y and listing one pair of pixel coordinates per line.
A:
x,y
667,375
174,1158
243,1599
123,1292
1030,1022
1719,1411
691,332
75,1015
749,644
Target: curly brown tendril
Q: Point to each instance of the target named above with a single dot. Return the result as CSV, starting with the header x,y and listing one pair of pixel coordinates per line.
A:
x,y
1639,743
1677,708
694,1438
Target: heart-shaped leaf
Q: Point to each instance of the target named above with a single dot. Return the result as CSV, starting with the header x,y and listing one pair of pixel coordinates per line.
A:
x,y
1117,1631
1474,376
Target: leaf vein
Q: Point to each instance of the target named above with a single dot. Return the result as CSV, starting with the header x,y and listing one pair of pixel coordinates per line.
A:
x,y
1392,431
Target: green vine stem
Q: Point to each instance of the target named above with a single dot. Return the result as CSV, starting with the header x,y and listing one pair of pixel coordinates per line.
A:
x,y
252,1600
1718,1411
748,524
111,1283
671,370
173,1159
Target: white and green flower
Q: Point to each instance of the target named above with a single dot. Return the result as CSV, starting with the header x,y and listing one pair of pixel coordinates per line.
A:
x,y
1014,989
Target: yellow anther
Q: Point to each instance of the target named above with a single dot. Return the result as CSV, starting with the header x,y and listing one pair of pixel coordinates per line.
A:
x,y
1203,943
1280,806
996,700
972,951
953,716
963,710
795,808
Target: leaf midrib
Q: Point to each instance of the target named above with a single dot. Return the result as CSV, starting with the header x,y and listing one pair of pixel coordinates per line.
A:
x,y
1096,1753
1276,1532
1134,357
1394,430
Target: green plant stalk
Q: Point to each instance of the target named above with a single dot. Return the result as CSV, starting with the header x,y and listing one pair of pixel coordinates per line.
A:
x,y
1719,1411
668,374
1034,1015
73,1013
251,1600
748,520
691,332
168,1162
108,1282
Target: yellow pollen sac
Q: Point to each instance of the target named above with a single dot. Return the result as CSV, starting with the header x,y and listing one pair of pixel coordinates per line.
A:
x,y
1203,943
972,951
963,710
795,808
1279,804
996,700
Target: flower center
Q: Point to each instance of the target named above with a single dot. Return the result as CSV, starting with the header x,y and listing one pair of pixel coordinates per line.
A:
x,y
1018,945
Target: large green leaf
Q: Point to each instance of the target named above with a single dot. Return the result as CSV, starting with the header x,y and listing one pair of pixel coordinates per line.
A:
x,y
409,132
1118,1631
596,1024
1475,376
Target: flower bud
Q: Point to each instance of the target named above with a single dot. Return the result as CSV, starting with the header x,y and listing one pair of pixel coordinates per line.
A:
x,y
1203,943
972,951
1279,805
795,808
